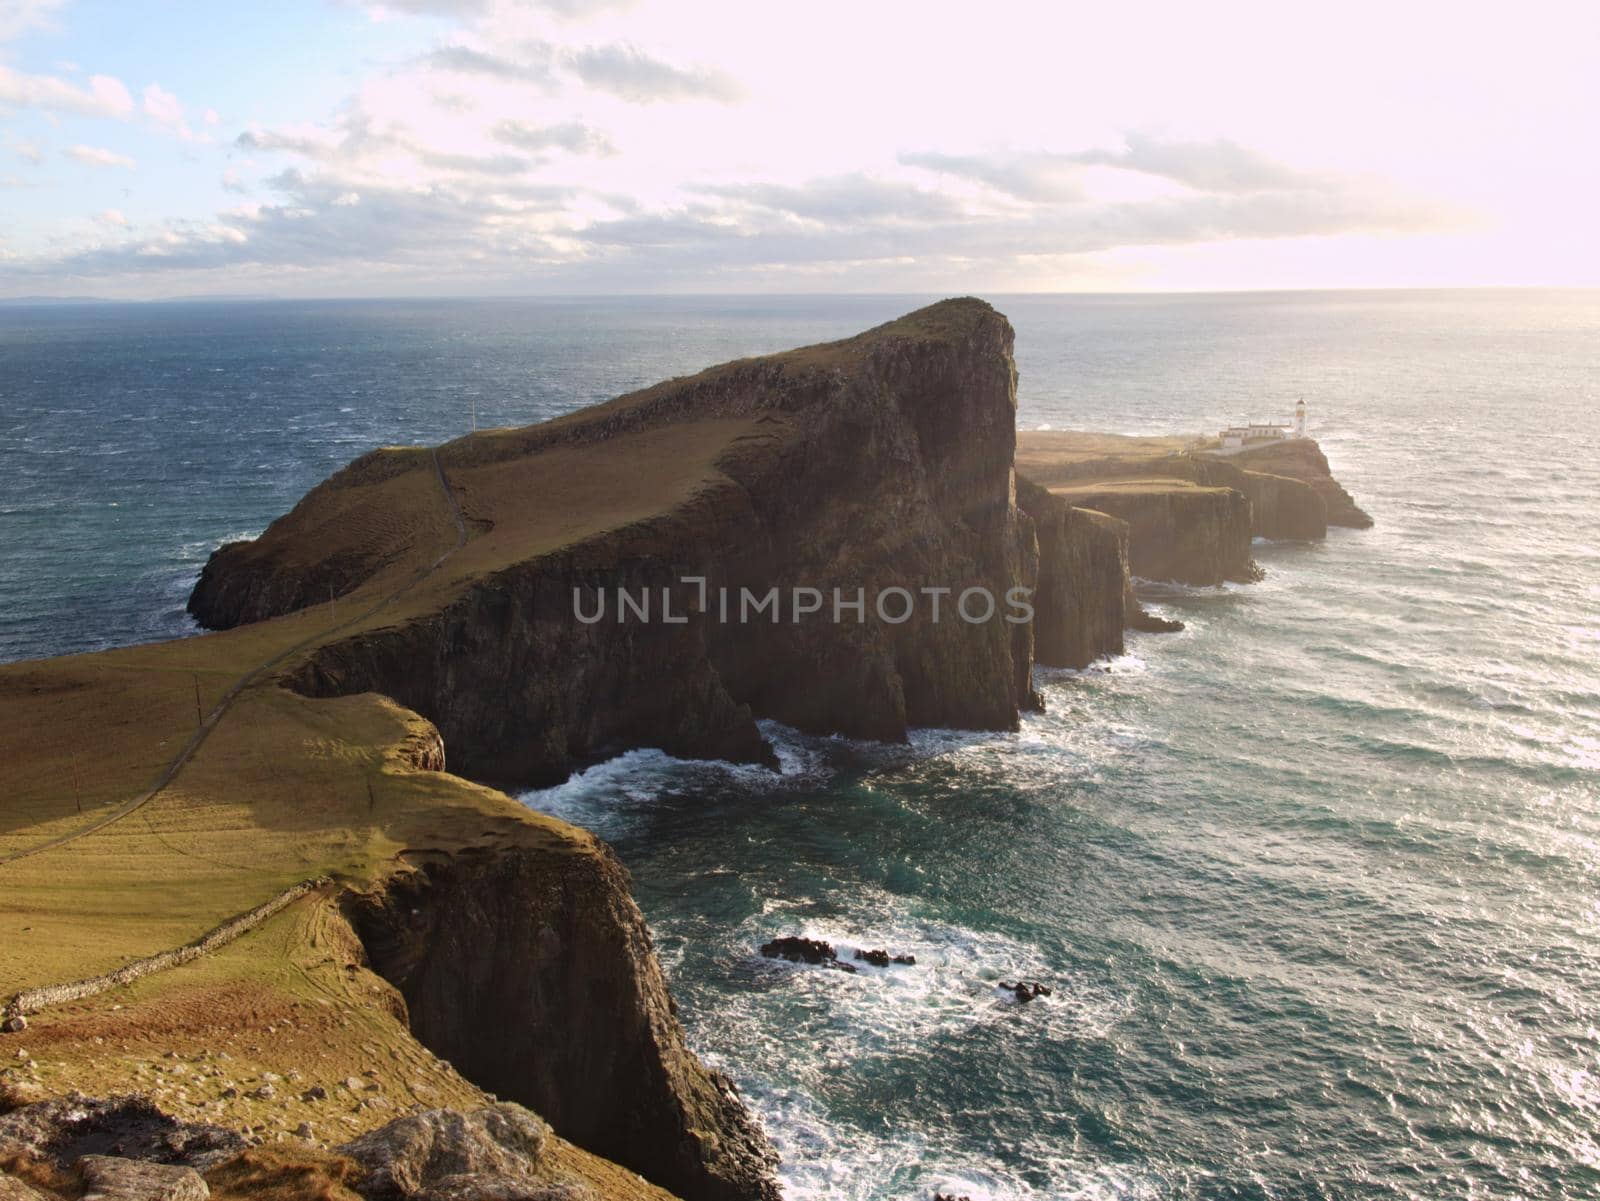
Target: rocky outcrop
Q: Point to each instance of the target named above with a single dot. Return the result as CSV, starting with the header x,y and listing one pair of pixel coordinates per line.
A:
x,y
532,972
127,1149
1302,459
64,1130
1284,509
446,1155
1178,531
1081,601
316,553
861,467
114,1178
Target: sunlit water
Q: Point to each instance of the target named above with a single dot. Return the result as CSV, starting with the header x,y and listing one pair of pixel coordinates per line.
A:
x,y
1314,881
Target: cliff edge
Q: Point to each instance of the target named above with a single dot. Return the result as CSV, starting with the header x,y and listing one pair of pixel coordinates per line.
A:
x,y
262,864
877,463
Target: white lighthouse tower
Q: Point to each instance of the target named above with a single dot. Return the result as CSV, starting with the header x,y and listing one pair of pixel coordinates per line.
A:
x,y
1300,418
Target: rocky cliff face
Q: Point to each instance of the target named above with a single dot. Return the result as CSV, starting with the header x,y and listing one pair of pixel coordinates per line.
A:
x,y
532,973
1284,509
879,463
1302,459
1082,601
1178,531
876,467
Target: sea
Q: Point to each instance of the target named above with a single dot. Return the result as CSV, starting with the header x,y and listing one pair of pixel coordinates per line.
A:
x,y
1315,883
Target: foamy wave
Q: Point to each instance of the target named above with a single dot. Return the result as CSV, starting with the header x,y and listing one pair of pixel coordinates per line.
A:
x,y
858,1023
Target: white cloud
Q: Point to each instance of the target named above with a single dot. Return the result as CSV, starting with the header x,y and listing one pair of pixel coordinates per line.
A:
x,y
685,145
19,16
626,71
112,217
95,156
28,152
105,95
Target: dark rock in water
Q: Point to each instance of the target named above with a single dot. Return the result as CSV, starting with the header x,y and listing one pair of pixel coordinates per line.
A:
x,y
68,1128
800,950
493,1152
950,1197
1026,990
109,1178
1148,623
880,958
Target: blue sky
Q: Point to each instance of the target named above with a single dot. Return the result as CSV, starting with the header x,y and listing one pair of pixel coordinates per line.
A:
x,y
402,147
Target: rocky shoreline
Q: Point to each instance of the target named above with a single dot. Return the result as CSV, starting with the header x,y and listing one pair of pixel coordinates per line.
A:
x,y
495,952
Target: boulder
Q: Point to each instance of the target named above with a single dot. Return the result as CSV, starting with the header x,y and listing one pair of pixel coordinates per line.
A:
x,y
113,1178
414,1155
470,1186
16,1091
68,1128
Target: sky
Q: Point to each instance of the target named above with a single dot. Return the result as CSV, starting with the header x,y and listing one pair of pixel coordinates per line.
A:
x,y
153,148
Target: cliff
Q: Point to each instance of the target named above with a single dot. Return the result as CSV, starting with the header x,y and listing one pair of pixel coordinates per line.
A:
x,y
1302,459
418,609
533,974
1176,530
1191,515
1284,509
1187,521
1083,599
880,462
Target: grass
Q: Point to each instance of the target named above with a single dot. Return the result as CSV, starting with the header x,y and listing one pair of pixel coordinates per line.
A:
x,y
285,787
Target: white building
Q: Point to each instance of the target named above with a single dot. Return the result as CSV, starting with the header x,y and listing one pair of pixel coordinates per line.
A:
x,y
1257,433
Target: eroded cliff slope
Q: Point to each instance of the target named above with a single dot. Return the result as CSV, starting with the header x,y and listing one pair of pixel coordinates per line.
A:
x,y
881,462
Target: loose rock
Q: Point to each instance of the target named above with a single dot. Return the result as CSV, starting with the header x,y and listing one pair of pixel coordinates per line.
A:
x,y
109,1178
417,1153
1026,990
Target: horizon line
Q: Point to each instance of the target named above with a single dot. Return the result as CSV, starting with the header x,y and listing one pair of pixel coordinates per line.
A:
x,y
41,298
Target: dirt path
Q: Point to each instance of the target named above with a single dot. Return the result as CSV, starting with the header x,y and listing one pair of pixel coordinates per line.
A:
x,y
214,718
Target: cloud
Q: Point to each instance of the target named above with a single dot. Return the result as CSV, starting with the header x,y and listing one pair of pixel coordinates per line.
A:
x,y
308,141
1216,166
628,72
1041,178
28,152
464,60
104,97
19,16
474,164
95,156
113,217
572,136
321,224
466,9
162,107
842,200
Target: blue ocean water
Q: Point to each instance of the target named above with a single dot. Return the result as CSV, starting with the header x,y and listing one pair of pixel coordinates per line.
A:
x,y
1315,881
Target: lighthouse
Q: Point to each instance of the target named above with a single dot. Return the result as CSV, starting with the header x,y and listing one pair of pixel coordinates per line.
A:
x,y
1300,418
